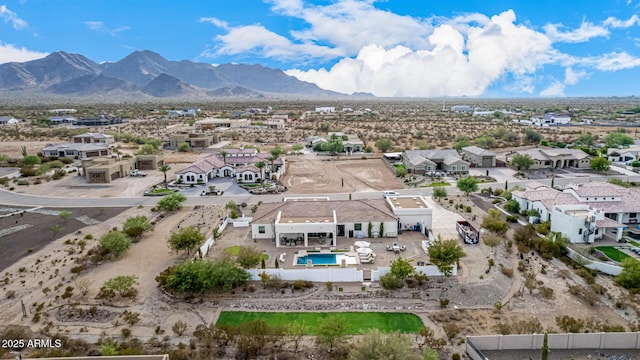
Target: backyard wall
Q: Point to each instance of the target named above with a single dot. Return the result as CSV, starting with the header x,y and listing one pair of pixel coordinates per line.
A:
x,y
430,270
609,269
476,344
332,274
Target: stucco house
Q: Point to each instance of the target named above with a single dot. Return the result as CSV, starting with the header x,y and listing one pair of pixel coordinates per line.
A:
x,y
93,138
241,164
432,161
555,158
317,222
624,155
608,206
478,156
6,120
105,170
550,119
76,150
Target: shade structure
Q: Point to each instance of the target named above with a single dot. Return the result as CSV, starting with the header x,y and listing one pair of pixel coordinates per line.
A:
x,y
364,250
362,244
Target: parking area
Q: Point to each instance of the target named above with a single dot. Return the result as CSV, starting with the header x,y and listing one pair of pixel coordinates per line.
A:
x,y
228,185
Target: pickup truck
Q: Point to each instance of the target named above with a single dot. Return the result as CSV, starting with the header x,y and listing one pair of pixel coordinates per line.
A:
x,y
137,172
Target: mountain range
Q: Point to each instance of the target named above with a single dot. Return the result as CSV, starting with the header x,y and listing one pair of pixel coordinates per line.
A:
x,y
147,75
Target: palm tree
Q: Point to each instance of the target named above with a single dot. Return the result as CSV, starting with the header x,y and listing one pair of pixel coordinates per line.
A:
x,y
260,165
224,156
164,169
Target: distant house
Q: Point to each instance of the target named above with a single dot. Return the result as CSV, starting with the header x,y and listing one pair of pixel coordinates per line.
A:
x,y
237,163
555,158
624,155
195,140
479,157
432,161
351,143
105,170
62,119
550,119
461,109
93,138
101,121
326,109
190,112
214,123
76,150
5,120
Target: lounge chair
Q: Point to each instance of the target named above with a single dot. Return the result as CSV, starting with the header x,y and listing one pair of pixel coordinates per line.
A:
x,y
403,247
389,247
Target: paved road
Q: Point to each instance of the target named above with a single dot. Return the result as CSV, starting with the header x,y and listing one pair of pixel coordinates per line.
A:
x,y
16,199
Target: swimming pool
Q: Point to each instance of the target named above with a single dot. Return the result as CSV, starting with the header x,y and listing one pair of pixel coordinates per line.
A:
x,y
318,259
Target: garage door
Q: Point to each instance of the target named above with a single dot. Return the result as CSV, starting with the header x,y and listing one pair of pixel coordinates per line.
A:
x,y
487,161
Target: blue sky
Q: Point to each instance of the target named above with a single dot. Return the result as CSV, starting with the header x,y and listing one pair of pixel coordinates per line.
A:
x,y
389,48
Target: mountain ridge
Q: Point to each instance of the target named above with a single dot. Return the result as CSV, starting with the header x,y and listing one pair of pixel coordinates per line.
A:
x,y
147,72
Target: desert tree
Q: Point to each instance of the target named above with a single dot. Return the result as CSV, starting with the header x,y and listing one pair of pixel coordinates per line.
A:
x,y
332,331
444,254
468,185
187,239
439,193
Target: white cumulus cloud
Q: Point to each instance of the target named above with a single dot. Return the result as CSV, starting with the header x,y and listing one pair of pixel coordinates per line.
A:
x,y
556,89
456,64
571,77
617,23
11,53
99,26
11,17
585,32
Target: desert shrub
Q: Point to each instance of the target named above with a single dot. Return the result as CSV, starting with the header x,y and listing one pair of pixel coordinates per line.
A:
x,y
587,275
508,272
546,292
511,218
391,282
587,295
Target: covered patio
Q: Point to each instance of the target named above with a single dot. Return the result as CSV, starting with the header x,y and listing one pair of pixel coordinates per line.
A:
x,y
301,230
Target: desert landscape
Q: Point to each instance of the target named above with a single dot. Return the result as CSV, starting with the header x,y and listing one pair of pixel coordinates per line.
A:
x,y
499,289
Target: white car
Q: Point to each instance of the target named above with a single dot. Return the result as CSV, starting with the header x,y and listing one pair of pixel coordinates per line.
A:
x,y
385,194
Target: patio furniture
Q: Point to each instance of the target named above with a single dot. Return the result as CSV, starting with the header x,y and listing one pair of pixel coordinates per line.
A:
x,y
389,247
403,247
396,248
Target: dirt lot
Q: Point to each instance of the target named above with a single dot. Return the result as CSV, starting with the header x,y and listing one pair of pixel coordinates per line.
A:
x,y
28,230
310,174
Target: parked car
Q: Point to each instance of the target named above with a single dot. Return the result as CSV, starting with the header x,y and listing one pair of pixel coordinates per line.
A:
x,y
137,172
389,193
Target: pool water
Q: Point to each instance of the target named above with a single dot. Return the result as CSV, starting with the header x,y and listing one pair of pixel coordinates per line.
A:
x,y
318,259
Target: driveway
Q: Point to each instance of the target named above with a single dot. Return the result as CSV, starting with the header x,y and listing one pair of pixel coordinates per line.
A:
x,y
9,172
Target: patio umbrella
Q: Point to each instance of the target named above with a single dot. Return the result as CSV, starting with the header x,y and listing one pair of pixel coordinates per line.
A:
x,y
364,250
362,244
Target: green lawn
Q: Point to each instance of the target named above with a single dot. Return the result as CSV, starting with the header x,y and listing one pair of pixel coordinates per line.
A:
x,y
399,166
441,183
162,191
235,250
358,322
251,186
612,253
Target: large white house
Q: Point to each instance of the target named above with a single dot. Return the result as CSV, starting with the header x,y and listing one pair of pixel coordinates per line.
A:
x,y
624,155
601,206
550,119
242,164
316,222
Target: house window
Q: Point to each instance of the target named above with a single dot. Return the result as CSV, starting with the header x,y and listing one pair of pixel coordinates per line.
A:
x,y
453,168
462,168
579,231
357,227
261,229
